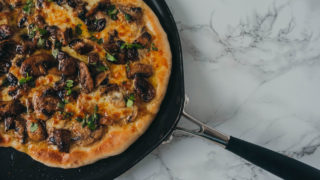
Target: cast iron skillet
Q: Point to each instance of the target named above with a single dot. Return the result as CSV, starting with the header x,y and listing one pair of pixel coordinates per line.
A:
x,y
16,165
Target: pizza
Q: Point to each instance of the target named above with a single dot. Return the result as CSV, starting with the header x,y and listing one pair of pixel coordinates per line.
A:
x,y
80,80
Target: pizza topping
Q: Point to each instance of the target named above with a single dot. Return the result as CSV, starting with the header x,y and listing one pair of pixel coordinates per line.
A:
x,y
37,65
144,89
132,13
10,108
61,138
22,21
140,69
5,32
144,39
7,52
45,103
101,79
85,78
8,123
35,129
20,129
67,65
12,80
80,46
55,68
26,47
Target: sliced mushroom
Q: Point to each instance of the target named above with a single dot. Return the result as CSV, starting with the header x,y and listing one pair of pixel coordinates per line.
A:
x,y
80,46
144,89
35,129
5,32
85,78
22,21
18,91
144,39
26,47
67,64
85,136
109,88
61,138
8,123
10,108
144,70
93,58
101,78
20,129
114,48
45,102
53,31
37,65
133,14
39,21
7,53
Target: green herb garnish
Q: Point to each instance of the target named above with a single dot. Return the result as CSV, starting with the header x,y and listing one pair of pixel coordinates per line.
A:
x,y
90,120
153,47
69,85
33,127
42,32
32,31
101,68
130,100
41,42
62,104
55,53
111,58
79,119
25,80
128,17
99,41
28,7
130,46
78,29
57,45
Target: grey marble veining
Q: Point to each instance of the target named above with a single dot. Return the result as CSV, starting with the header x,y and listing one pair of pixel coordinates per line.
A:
x,y
252,70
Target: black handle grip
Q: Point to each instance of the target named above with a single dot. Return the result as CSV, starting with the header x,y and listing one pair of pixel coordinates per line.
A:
x,y
276,163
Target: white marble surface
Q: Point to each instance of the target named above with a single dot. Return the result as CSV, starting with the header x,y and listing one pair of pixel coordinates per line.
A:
x,y
252,70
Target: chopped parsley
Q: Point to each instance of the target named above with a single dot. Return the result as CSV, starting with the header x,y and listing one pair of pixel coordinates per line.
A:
x,y
66,115
113,12
57,45
62,104
90,120
41,42
78,29
69,85
101,68
28,7
25,80
55,53
128,17
42,32
111,58
153,47
32,31
130,46
99,41
130,100
33,127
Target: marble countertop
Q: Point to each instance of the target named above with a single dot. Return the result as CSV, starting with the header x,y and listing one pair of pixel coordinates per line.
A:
x,y
252,70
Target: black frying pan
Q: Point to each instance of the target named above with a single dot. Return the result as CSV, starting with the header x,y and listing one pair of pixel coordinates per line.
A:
x,y
16,165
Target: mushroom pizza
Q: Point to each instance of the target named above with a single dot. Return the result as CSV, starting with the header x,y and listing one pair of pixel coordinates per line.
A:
x,y
80,80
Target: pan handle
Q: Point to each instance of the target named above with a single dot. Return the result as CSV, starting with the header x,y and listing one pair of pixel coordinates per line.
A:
x,y
276,163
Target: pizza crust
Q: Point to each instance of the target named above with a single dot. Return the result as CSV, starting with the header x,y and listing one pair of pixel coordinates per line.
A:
x,y
117,139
